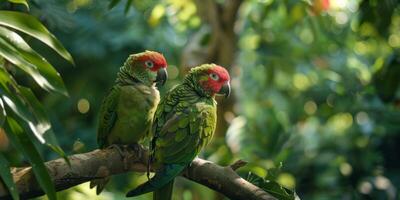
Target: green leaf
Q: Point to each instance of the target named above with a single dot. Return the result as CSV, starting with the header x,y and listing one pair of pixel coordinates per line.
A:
x,y
43,126
20,105
8,94
48,78
3,113
271,186
23,143
31,26
273,173
386,80
127,6
25,105
113,3
7,178
24,2
11,54
53,145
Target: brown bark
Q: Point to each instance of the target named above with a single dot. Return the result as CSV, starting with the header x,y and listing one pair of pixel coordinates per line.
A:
x,y
99,163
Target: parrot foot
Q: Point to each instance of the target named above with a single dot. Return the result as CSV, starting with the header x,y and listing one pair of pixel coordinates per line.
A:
x,y
118,148
135,148
123,152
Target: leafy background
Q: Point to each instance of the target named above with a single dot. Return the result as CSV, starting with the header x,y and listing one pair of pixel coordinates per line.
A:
x,y
315,82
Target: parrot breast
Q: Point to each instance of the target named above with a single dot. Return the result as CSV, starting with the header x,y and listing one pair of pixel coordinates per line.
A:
x,y
135,111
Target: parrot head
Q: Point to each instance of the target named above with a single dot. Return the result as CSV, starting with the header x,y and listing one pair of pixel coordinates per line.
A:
x,y
210,79
147,67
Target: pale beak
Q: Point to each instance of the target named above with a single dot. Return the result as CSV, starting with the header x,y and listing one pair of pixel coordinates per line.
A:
x,y
162,76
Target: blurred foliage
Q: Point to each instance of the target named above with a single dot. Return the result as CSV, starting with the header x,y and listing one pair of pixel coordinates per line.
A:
x,y
316,84
270,184
23,118
318,92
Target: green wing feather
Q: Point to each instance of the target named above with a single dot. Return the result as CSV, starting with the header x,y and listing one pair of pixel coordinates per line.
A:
x,y
178,141
164,193
183,139
107,119
108,116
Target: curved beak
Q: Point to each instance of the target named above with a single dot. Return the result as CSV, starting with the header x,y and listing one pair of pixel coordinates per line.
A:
x,y
225,90
162,76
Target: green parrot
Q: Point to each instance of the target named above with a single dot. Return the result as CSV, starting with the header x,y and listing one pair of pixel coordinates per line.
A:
x,y
126,113
184,123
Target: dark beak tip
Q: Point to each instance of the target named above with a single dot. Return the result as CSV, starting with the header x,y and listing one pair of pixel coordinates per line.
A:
x,y
228,94
162,76
225,90
163,82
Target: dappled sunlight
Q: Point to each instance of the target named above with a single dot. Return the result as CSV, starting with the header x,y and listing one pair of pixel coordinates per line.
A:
x,y
83,105
339,123
315,104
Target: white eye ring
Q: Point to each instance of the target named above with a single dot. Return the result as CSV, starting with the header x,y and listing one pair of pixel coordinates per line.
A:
x,y
149,64
214,77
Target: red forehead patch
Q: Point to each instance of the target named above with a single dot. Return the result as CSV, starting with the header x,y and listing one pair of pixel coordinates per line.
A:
x,y
157,58
221,72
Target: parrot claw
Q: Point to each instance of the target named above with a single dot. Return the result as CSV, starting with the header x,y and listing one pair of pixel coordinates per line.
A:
x,y
136,149
118,148
123,152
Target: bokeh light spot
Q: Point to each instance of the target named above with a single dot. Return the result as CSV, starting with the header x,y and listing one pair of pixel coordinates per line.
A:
x,y
367,29
173,72
360,48
346,169
78,146
310,107
382,182
341,18
195,22
83,106
229,116
306,36
338,4
301,81
362,118
340,122
157,13
250,41
394,40
287,180
362,142
365,187
4,142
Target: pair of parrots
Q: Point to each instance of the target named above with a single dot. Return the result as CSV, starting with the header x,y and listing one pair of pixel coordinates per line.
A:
x,y
180,125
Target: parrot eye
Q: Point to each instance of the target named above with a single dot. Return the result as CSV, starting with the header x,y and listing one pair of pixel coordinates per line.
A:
x,y
214,77
149,64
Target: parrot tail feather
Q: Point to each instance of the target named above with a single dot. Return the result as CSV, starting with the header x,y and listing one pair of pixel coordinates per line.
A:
x,y
162,178
164,193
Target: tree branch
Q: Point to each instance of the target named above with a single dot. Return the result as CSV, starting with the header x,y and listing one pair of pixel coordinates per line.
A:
x,y
99,163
